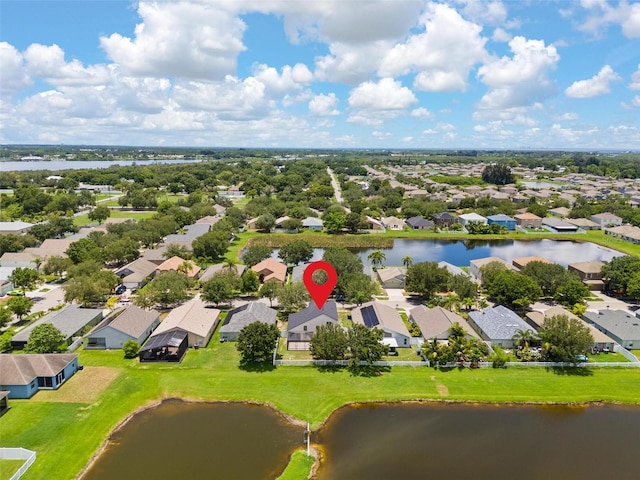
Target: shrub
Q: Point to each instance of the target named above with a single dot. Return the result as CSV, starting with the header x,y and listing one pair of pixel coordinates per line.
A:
x,y
131,348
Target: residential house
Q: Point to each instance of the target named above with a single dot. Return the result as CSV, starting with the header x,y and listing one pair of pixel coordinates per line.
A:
x,y
583,223
189,234
209,220
476,264
452,269
179,264
444,219
393,223
590,272
312,223
133,323
521,262
561,212
302,325
625,232
15,228
436,322
195,318
170,346
498,325
472,217
70,320
220,267
135,274
23,375
528,220
387,319
419,223
373,225
240,317
559,226
271,269
155,255
606,219
620,325
392,277
503,220
19,260
601,342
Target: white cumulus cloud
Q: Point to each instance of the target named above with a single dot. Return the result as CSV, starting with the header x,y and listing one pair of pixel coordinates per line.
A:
x,y
324,105
14,74
387,94
599,84
635,80
182,39
601,14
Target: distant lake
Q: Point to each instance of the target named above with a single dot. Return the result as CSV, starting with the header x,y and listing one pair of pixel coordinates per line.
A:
x,y
79,165
181,440
461,252
413,441
542,185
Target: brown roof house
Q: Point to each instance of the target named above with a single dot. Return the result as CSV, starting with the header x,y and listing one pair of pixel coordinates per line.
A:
x,y
23,375
392,277
133,323
606,219
522,262
177,264
387,319
528,220
590,272
271,269
135,274
436,322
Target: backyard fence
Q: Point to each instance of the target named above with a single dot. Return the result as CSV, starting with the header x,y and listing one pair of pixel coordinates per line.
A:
x,y
400,363
18,454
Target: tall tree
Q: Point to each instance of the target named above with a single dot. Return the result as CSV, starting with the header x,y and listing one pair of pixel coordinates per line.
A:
x,y
293,296
57,265
257,341
45,338
269,290
296,252
365,345
21,306
426,278
219,288
212,245
24,277
620,270
330,342
564,338
498,173
407,261
99,214
254,254
377,258
512,289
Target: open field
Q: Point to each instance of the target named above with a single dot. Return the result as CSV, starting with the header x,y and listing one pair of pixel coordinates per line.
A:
x,y
83,220
84,387
305,393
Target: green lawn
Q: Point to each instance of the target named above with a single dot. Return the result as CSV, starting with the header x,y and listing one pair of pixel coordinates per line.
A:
x,y
9,467
608,357
83,220
299,466
306,393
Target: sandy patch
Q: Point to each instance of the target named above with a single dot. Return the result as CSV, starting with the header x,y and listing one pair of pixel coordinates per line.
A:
x,y
84,387
443,391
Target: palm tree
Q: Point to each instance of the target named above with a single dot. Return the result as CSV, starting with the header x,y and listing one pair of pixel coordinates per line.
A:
x,y
468,303
377,257
407,261
184,267
524,338
451,302
230,265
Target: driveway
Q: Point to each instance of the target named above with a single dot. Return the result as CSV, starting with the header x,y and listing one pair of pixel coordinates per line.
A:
x,y
608,302
43,301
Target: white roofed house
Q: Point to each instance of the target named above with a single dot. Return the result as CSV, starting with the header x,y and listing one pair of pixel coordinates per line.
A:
x,y
16,228
312,223
135,274
467,218
387,319
393,223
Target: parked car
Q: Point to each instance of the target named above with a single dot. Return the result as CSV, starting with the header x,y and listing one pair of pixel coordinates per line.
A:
x,y
120,289
581,358
18,292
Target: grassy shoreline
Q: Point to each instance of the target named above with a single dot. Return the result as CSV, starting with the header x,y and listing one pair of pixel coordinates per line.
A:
x,y
302,393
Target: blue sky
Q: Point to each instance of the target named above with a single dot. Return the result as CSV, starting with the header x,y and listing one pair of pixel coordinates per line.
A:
x,y
322,74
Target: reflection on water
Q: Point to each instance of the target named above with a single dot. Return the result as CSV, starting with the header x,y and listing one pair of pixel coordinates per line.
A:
x,y
456,441
461,252
179,440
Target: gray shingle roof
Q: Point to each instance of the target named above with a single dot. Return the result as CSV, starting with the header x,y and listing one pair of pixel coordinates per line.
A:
x,y
618,322
240,317
329,309
69,320
133,321
499,323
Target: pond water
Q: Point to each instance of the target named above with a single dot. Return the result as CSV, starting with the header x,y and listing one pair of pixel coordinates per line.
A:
x,y
461,252
413,441
378,441
179,440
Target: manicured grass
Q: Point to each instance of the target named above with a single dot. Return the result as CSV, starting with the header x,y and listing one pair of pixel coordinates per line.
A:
x,y
9,467
299,466
306,393
610,357
83,220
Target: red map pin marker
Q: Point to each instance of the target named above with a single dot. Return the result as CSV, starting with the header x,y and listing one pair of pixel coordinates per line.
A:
x,y
320,293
